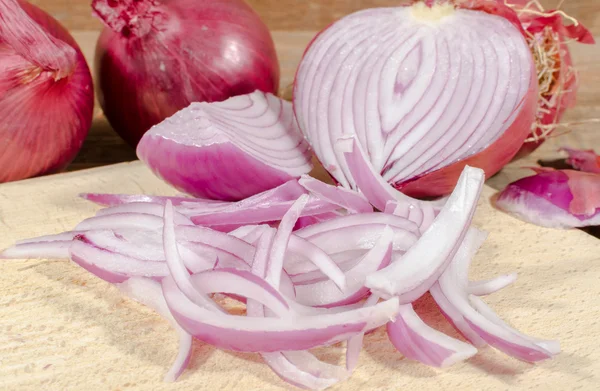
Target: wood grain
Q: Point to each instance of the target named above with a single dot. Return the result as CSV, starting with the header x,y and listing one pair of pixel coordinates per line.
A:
x,y
63,329
294,15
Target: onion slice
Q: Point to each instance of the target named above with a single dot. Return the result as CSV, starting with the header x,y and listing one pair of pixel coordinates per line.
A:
x,y
417,341
149,293
451,292
202,149
417,271
352,201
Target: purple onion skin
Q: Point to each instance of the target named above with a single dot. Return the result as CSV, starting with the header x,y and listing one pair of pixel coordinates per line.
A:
x,y
199,51
44,121
546,199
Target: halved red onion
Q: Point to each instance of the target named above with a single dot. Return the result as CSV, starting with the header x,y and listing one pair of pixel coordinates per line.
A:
x,y
451,293
228,150
149,293
412,275
445,87
328,294
417,341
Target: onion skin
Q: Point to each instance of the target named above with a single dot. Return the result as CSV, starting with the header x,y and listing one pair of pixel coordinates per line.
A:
x,y
195,51
46,114
555,199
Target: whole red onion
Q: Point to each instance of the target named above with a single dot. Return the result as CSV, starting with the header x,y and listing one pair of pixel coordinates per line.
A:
x,y
157,57
46,93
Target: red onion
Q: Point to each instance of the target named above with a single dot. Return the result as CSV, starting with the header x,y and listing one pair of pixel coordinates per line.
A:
x,y
156,57
228,150
445,87
555,199
46,93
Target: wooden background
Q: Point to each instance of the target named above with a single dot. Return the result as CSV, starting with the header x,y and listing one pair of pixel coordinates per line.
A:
x,y
293,24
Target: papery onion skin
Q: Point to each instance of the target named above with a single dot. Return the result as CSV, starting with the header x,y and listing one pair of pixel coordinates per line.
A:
x,y
583,160
555,199
46,112
329,86
172,53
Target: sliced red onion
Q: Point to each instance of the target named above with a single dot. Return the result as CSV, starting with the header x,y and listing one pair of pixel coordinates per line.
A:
x,y
177,268
555,199
451,292
327,294
417,341
120,199
259,214
149,293
203,149
417,271
299,374
145,208
318,258
41,250
445,87
583,160
485,288
272,335
352,201
355,344
111,267
120,221
281,240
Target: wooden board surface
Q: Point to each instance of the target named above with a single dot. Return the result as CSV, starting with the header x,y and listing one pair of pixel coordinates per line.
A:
x,y
63,329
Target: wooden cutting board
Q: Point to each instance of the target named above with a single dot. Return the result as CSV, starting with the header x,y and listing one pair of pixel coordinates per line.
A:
x,y
63,329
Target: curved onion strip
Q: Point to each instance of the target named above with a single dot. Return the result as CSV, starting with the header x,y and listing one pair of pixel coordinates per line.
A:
x,y
359,220
121,220
417,341
121,199
282,239
354,344
318,258
352,201
327,294
484,288
114,268
249,233
41,250
300,376
294,368
145,208
177,268
297,265
490,329
219,240
257,214
413,275
149,293
423,215
259,335
369,182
